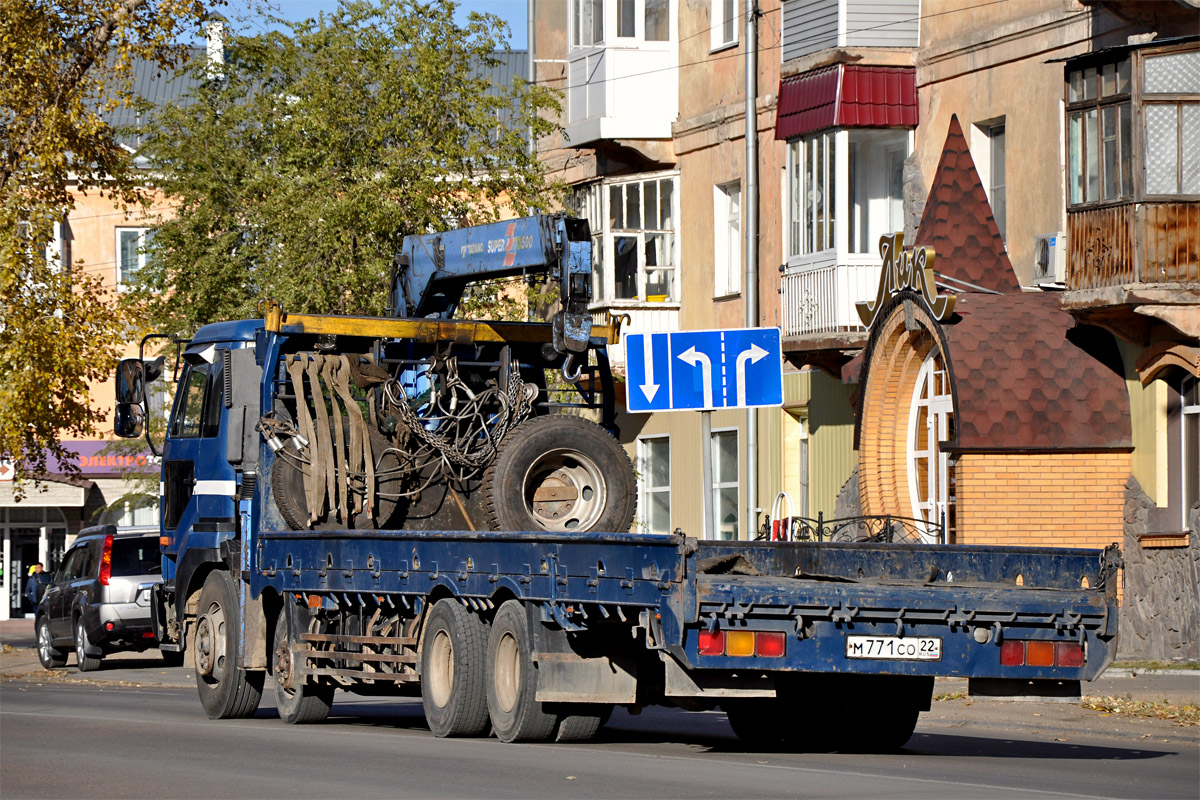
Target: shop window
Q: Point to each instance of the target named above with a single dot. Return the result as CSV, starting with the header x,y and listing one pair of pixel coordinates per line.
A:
x,y
654,486
931,421
727,239
724,448
724,19
811,165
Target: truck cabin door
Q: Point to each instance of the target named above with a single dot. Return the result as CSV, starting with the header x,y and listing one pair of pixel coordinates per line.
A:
x,y
198,482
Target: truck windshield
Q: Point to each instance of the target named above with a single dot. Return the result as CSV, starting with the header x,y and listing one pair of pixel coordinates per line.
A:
x,y
136,557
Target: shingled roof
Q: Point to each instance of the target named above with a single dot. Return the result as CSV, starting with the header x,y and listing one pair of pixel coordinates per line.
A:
x,y
959,226
1026,379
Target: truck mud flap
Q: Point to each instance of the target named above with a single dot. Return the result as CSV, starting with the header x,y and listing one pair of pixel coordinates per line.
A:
x,y
680,682
570,678
1064,691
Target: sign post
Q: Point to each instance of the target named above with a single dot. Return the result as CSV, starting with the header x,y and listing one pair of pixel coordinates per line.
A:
x,y
704,371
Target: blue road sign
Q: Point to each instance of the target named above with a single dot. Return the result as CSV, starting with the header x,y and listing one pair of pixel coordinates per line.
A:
x,y
703,370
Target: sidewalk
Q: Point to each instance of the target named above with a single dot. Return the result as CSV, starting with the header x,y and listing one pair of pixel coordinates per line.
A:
x,y
19,659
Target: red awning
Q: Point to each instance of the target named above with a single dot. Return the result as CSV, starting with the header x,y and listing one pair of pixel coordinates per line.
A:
x,y
847,96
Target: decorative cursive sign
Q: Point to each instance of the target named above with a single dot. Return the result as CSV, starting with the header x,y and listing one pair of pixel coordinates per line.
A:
x,y
906,270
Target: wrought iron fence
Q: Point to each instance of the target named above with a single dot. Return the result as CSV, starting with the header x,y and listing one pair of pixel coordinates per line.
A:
x,y
882,528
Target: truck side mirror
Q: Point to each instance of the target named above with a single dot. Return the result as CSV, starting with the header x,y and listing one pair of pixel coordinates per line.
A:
x,y
128,422
130,381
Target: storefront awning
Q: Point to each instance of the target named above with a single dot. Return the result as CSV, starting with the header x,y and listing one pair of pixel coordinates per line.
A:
x,y
846,96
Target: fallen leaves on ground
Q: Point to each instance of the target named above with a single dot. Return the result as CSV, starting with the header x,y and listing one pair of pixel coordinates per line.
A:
x,y
1182,714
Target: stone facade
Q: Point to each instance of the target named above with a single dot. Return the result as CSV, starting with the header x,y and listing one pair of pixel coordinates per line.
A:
x,y
1159,579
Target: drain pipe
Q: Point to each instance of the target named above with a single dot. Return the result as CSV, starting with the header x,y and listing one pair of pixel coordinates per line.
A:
x,y
530,69
750,223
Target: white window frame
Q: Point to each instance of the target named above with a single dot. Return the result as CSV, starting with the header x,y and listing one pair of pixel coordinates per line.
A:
x,y
123,280
727,239
929,502
595,204
803,217
724,17
1189,418
646,490
578,18
718,484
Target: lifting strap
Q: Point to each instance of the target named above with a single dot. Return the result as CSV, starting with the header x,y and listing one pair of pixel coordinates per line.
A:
x,y
312,477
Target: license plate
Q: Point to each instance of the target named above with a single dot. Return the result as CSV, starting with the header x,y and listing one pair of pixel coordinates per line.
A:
x,y
895,648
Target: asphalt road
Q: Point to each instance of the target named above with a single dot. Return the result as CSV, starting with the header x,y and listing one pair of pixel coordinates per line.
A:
x,y
62,739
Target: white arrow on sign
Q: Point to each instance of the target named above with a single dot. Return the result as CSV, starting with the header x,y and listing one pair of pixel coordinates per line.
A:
x,y
693,357
649,388
753,355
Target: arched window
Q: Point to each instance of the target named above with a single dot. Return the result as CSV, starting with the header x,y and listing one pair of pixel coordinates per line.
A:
x,y
931,420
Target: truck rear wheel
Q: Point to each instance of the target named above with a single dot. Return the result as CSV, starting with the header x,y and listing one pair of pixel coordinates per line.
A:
x,y
297,700
226,691
560,473
453,671
516,714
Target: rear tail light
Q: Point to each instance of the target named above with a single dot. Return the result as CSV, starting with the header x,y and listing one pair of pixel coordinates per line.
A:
x,y
1068,654
764,644
739,643
1039,654
106,561
769,644
1012,653
1017,653
108,626
712,643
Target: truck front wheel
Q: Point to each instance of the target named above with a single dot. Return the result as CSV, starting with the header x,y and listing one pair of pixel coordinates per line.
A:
x,y
516,714
453,671
560,473
226,691
297,700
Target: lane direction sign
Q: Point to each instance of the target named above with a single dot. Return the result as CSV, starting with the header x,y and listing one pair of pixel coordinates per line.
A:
x,y
704,370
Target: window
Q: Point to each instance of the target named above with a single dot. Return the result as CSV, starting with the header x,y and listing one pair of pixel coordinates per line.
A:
x,y
875,183
633,228
132,512
1099,138
810,193
1171,99
186,424
725,484
657,21
1189,395
131,253
995,136
727,238
931,421
723,32
654,467
588,22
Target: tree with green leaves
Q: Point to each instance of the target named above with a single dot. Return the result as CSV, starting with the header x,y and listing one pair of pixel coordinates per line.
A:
x,y
65,66
300,163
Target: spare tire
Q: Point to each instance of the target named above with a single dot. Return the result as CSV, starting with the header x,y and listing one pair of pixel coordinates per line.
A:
x,y
560,473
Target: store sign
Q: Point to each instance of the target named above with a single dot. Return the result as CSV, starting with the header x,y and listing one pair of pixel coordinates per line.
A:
x,y
906,270
96,458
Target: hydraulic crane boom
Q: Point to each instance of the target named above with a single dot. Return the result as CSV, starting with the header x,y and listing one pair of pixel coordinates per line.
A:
x,y
433,270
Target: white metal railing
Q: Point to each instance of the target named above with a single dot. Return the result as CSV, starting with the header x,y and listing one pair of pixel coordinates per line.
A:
x,y
821,300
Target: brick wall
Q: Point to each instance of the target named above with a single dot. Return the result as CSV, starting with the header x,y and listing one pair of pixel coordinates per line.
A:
x,y
1049,499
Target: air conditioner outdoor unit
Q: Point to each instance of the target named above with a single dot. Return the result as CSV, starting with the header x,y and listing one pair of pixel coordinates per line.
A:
x,y
1050,258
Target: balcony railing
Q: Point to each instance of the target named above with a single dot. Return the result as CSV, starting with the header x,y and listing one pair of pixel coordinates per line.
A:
x,y
1153,243
821,300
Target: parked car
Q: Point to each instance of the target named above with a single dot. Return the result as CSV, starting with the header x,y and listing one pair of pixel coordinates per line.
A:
x,y
98,601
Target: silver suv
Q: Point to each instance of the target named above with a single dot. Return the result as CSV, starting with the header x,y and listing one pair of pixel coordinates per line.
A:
x,y
99,599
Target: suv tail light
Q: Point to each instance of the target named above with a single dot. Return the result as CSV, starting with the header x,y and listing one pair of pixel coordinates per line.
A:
x,y
106,561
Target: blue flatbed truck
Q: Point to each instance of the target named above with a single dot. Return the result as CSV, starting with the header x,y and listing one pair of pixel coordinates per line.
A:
x,y
415,504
